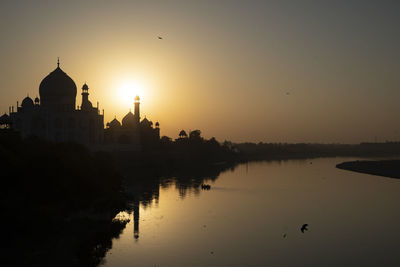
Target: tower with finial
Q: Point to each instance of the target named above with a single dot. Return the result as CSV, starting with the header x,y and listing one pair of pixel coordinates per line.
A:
x,y
86,104
137,109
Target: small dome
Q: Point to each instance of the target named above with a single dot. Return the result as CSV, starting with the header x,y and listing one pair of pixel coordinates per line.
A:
x,y
146,122
37,100
115,123
137,98
85,87
128,120
27,103
157,124
5,119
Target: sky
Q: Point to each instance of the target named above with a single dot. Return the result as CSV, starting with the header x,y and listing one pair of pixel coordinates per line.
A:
x,y
259,71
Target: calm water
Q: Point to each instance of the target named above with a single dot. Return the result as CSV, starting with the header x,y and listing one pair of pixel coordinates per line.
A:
x,y
354,219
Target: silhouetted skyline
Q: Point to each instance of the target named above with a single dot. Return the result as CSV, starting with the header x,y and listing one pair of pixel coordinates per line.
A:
x,y
287,71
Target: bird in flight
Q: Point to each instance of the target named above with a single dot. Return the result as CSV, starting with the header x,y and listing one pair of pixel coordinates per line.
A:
x,y
160,38
304,228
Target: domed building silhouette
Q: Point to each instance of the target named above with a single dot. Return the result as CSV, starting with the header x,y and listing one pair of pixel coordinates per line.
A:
x,y
132,134
58,91
53,116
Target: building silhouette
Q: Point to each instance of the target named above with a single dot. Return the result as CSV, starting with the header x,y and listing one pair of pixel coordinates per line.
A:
x,y
131,133
54,116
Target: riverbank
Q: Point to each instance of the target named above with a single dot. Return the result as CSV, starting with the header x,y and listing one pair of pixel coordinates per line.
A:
x,y
386,168
59,201
272,151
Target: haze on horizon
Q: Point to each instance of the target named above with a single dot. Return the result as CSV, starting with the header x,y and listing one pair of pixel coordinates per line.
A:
x,y
271,71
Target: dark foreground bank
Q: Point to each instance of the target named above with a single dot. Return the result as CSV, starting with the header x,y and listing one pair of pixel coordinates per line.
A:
x,y
59,199
387,168
58,202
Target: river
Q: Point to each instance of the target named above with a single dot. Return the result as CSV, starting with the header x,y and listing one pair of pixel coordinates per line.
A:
x,y
253,214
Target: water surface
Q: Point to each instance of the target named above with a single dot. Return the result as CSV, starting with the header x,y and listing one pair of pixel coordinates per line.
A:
x,y
252,217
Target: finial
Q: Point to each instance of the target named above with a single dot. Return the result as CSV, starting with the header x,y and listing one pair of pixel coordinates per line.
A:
x,y
58,62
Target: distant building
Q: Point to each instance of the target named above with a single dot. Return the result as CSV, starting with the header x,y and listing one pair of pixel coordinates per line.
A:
x,y
132,133
53,116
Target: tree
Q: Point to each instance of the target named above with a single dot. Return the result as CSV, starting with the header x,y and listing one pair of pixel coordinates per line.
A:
x,y
195,135
165,140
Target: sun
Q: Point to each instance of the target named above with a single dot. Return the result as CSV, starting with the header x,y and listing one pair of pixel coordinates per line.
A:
x,y
128,89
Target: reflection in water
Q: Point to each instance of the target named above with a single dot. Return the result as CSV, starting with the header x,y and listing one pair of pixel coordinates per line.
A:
x,y
253,215
136,219
145,189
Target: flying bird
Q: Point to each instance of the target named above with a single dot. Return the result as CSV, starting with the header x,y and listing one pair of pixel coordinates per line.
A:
x,y
304,227
160,38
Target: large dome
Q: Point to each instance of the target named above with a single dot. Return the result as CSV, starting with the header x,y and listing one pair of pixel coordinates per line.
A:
x,y
129,120
58,90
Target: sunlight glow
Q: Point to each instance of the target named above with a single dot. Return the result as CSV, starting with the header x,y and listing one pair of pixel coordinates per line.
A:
x,y
128,89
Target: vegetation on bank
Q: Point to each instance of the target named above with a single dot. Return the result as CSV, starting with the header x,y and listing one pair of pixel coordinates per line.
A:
x,y
59,201
186,152
261,151
192,150
387,168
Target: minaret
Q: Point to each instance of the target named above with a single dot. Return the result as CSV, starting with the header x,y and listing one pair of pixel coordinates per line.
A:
x,y
137,110
85,93
86,104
